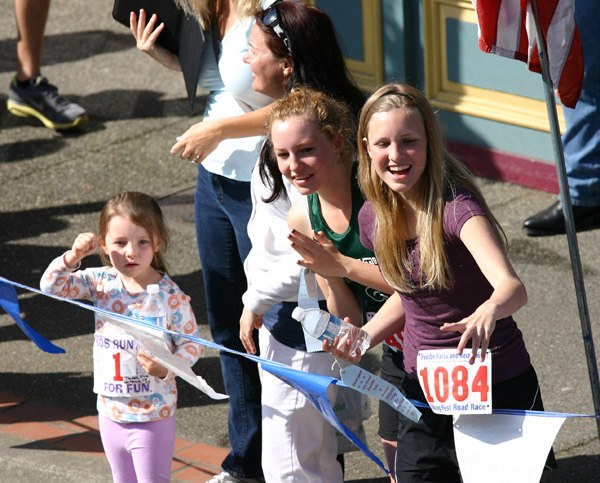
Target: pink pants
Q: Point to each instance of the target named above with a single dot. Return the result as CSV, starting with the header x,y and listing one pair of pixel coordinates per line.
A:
x,y
139,452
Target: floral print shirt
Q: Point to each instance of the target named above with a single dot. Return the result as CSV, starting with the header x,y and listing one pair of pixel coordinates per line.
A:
x,y
104,287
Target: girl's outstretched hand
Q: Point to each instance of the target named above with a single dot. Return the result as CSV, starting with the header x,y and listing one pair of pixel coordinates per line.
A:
x,y
342,346
477,327
341,350
318,254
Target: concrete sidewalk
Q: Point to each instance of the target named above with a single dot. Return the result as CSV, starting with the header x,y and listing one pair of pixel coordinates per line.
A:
x,y
52,187
51,444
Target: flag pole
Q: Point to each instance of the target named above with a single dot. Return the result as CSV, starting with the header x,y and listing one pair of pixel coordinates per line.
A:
x,y
567,208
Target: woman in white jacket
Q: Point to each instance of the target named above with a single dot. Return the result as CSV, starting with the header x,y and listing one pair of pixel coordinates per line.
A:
x,y
291,44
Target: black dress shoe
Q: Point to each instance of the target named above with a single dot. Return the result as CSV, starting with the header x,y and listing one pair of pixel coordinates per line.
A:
x,y
551,221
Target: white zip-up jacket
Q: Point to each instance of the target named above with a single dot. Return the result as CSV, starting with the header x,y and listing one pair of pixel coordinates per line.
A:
x,y
271,267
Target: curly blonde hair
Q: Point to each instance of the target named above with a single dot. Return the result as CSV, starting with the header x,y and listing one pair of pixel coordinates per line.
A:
x,y
330,116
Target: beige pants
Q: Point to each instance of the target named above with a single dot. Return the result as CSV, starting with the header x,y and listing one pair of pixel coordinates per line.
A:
x,y
299,445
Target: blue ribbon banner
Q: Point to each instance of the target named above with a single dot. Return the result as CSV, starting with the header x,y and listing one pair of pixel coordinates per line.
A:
x,y
10,303
313,386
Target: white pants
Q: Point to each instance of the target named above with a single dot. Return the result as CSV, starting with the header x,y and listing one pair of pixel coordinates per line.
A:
x,y
298,444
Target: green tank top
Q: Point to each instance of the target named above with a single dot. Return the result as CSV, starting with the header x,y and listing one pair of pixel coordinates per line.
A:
x,y
348,243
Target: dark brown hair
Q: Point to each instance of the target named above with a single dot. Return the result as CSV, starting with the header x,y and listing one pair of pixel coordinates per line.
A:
x,y
318,63
316,55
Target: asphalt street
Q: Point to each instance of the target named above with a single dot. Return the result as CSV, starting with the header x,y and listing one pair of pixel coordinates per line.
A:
x,y
53,185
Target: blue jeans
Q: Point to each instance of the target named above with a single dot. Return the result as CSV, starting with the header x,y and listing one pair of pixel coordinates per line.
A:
x,y
222,210
582,139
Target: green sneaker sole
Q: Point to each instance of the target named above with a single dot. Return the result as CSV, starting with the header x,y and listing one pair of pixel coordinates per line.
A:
x,y
22,110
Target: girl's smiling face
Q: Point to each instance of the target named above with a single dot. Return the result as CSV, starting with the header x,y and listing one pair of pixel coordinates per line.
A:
x,y
130,249
269,75
305,155
397,145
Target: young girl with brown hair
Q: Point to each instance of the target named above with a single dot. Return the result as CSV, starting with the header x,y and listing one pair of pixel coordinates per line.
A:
x,y
137,421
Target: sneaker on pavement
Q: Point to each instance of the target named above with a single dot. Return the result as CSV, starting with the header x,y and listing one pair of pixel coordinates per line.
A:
x,y
225,477
41,99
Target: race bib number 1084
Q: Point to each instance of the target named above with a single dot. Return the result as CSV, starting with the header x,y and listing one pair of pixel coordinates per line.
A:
x,y
453,386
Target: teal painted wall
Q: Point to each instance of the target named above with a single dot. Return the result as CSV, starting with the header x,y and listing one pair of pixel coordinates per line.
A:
x,y
528,143
402,41
402,30
347,24
468,65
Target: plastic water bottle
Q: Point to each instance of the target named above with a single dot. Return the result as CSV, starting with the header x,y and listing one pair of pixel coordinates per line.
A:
x,y
153,310
324,326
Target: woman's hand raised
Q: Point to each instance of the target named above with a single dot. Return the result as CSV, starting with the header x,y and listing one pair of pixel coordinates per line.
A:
x,y
146,35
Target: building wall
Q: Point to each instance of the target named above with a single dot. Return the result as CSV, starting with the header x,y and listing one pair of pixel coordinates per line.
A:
x,y
493,109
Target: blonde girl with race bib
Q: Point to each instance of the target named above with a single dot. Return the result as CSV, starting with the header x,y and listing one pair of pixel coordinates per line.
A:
x,y
441,249
137,396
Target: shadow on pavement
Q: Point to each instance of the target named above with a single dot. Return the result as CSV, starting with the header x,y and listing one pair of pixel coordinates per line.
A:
x,y
574,469
17,225
571,469
369,480
50,444
102,107
72,391
89,43
24,150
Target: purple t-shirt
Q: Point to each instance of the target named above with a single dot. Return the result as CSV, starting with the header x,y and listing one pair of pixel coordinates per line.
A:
x,y
427,310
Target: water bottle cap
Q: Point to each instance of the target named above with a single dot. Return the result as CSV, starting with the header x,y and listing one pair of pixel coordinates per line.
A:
x,y
152,288
298,314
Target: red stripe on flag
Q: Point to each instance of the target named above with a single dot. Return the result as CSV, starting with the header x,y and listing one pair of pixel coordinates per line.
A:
x,y
507,28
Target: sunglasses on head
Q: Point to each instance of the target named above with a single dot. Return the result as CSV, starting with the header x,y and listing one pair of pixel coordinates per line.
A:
x,y
271,19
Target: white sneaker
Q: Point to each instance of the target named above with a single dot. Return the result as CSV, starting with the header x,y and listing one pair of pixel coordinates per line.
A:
x,y
225,477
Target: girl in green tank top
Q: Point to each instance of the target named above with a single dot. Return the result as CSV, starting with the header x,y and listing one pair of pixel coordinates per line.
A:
x,y
313,142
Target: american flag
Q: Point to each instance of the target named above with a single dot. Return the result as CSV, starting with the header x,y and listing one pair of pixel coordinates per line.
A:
x,y
507,28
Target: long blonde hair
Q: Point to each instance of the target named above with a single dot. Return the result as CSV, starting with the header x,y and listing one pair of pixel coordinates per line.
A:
x,y
443,174
205,10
